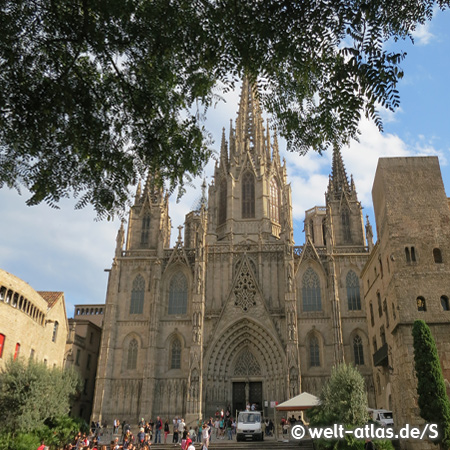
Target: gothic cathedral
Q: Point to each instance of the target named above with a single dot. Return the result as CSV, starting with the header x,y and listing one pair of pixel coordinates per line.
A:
x,y
235,312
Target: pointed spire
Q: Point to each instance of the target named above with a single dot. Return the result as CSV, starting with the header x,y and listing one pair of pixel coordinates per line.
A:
x,y
268,143
276,151
223,150
138,193
369,234
249,123
232,141
152,190
338,179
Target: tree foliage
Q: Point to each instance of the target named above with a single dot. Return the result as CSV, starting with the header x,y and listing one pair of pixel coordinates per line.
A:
x,y
93,92
433,400
32,395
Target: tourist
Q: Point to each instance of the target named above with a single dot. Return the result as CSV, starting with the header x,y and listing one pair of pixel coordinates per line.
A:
x,y
166,430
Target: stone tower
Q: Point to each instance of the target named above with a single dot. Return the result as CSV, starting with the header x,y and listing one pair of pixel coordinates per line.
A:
x,y
407,278
234,313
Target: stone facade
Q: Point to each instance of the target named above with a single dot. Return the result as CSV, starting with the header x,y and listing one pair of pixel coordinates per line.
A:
x,y
407,278
33,324
235,312
82,351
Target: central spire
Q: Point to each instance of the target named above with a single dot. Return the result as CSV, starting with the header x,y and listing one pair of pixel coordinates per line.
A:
x,y
338,179
249,123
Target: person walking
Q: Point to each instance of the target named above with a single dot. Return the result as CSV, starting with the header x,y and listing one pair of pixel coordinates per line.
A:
x,y
158,426
166,430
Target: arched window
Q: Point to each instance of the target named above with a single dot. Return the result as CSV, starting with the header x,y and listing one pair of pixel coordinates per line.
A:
x,y
314,352
55,331
353,295
145,230
444,303
358,350
274,203
345,219
324,231
178,294
222,201
175,359
132,355
312,300
137,295
437,255
421,305
248,196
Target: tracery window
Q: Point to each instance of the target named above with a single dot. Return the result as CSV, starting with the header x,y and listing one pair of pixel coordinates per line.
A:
x,y
358,350
175,360
274,203
312,300
248,196
145,230
314,352
353,294
345,218
178,294
247,364
222,201
137,295
132,355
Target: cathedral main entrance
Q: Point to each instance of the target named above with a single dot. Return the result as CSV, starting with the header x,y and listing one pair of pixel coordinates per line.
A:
x,y
247,392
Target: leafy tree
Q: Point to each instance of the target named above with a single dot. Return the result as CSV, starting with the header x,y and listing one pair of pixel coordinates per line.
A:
x,y
433,401
343,400
93,92
32,394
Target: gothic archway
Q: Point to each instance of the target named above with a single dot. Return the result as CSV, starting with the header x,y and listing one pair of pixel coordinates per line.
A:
x,y
248,353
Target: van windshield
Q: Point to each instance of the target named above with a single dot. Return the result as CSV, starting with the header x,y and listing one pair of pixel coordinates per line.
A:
x,y
249,418
386,415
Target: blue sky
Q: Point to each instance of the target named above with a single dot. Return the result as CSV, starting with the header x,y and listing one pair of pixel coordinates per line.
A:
x,y
67,250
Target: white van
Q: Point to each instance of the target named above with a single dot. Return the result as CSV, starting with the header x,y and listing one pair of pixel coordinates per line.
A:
x,y
249,426
382,416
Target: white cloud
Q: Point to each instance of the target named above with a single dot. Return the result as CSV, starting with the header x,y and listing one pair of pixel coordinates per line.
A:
x,y
422,34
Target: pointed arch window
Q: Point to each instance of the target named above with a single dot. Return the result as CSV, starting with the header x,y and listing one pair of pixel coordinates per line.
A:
x,y
145,230
248,196
358,350
353,294
175,357
346,232
222,201
55,331
137,295
314,352
178,294
312,300
132,355
274,203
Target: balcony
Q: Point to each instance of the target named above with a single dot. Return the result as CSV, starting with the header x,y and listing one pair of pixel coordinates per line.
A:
x,y
380,357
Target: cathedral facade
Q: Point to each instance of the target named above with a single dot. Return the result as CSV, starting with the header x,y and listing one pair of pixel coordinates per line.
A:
x,y
235,312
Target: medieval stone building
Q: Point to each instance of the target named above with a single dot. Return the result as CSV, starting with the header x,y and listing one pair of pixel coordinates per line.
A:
x,y
235,312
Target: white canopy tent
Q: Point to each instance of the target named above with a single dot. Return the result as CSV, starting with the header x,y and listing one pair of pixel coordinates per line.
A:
x,y
300,402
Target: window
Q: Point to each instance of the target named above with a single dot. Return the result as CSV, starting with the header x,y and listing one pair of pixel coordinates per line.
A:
x,y
222,201
437,255
137,295
55,331
175,360
77,359
91,338
407,255
312,300
324,231
274,202
421,305
2,344
311,229
88,362
374,343
386,312
382,335
16,351
86,381
2,293
178,294
145,230
248,196
380,309
413,254
353,295
132,355
314,353
372,320
346,232
358,351
444,303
